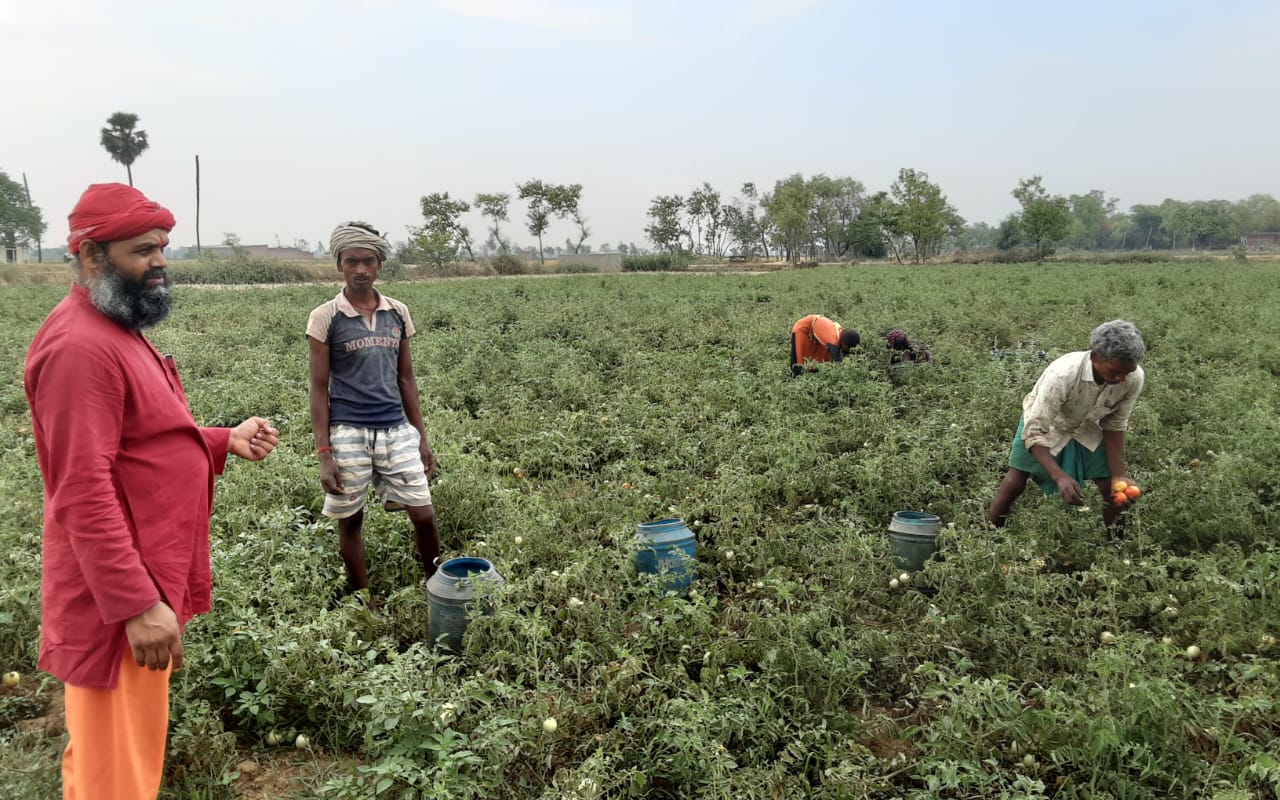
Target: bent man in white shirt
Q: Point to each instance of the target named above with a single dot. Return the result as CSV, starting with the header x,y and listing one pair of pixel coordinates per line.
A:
x,y
1082,400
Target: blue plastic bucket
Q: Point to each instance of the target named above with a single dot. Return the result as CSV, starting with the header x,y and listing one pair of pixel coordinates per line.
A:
x,y
667,547
449,592
913,538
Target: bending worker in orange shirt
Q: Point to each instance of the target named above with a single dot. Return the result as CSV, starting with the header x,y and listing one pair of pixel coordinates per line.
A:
x,y
815,338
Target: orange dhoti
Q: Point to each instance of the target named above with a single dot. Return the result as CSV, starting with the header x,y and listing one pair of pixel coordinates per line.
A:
x,y
116,751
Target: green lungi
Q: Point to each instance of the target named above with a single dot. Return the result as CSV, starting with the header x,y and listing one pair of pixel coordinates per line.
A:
x,y
1076,460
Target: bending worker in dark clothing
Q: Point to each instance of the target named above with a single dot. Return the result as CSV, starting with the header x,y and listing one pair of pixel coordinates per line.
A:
x,y
904,350
818,339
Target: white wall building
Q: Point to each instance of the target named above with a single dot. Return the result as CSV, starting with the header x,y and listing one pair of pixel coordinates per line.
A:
x,y
16,255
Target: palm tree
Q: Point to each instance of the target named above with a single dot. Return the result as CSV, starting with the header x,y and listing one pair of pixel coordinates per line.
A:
x,y
122,141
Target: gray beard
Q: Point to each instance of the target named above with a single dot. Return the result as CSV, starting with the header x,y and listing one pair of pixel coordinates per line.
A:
x,y
130,303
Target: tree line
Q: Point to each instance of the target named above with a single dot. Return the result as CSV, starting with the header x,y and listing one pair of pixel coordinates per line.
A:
x,y
444,237
1094,221
824,217
816,217
819,217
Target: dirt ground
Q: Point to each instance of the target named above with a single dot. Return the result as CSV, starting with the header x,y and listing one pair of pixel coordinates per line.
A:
x,y
282,773
53,722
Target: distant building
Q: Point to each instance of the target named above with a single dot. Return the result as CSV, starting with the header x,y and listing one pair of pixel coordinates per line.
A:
x,y
1270,241
16,254
259,251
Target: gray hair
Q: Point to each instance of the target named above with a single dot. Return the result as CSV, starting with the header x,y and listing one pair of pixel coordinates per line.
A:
x,y
1118,340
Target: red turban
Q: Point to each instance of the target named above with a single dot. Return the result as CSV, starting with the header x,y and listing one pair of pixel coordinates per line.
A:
x,y
111,212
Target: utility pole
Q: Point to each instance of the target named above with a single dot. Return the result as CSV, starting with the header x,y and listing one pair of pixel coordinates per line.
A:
x,y
197,206
39,244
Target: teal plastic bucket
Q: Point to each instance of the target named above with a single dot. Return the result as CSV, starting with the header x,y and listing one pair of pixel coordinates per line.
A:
x,y
449,593
667,547
913,538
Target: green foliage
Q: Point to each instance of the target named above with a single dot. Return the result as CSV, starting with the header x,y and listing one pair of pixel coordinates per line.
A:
x,y
575,269
1023,256
1091,220
877,229
20,222
508,264
393,269
1148,221
537,196
829,218
1045,219
1199,222
238,271
707,214
978,236
1138,257
665,228
545,199
566,202
656,262
837,208
1009,234
789,205
442,234
123,141
792,669
1257,213
494,207
30,764
922,215
432,246
747,225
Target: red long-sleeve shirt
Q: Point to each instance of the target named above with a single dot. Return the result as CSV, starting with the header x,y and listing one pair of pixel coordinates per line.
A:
x,y
128,488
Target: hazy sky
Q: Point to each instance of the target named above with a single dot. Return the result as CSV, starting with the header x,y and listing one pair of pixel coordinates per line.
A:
x,y
305,113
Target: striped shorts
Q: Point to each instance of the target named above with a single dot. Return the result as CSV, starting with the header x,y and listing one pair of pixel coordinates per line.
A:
x,y
387,460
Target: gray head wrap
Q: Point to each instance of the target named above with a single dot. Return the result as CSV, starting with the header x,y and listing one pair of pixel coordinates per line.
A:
x,y
357,234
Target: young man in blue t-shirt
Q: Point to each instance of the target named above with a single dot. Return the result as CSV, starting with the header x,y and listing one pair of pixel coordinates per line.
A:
x,y
365,411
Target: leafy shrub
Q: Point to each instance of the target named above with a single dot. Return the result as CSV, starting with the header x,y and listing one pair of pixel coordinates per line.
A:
x,y
576,269
656,262
1239,253
508,264
1021,256
1009,256
393,269
1124,257
454,269
243,271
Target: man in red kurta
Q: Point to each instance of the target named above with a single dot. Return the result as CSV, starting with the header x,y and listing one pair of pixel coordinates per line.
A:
x,y
815,339
128,490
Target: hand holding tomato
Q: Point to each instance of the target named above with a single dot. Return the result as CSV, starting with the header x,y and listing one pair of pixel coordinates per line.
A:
x,y
1124,492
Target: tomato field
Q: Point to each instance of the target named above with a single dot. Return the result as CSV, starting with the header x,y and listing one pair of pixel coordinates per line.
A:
x,y
1040,660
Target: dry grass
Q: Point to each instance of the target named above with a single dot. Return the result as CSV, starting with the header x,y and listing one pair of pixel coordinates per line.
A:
x,y
47,274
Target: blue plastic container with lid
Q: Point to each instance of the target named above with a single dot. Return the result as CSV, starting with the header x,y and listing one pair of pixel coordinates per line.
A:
x,y
449,593
667,547
913,538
